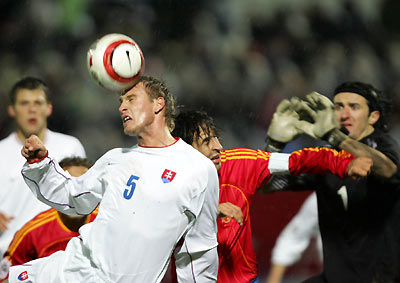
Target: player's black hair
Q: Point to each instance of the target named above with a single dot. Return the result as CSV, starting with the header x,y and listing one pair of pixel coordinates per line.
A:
x,y
155,89
75,161
189,122
377,100
29,83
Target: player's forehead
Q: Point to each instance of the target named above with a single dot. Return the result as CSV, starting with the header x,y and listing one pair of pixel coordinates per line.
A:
x,y
138,90
25,94
349,98
204,132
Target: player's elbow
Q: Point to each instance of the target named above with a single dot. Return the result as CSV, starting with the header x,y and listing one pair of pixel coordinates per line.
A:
x,y
390,173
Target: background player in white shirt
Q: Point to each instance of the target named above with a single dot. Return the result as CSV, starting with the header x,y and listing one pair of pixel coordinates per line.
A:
x,y
295,238
157,197
30,107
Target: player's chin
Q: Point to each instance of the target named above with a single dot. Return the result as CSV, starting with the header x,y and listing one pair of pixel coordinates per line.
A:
x,y
129,132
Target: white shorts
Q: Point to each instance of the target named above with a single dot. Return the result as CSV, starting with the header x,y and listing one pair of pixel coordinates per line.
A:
x,y
69,266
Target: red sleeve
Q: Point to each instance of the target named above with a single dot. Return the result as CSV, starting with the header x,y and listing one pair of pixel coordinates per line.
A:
x,y
320,161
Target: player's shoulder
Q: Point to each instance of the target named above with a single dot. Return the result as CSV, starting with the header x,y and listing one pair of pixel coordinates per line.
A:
x,y
242,153
119,152
11,139
192,155
385,143
116,155
38,221
381,139
44,214
56,137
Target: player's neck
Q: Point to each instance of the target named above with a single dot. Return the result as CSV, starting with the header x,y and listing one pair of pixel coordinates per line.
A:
x,y
23,136
73,223
156,138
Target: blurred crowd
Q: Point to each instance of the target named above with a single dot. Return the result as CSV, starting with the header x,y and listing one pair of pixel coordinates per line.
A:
x,y
237,59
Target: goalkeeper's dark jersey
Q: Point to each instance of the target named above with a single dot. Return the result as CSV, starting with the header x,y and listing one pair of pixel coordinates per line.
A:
x,y
359,221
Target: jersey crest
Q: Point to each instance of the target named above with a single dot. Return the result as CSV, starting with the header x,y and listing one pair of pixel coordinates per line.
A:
x,y
23,276
168,176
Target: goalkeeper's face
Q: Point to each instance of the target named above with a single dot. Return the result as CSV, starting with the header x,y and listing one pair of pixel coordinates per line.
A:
x,y
352,112
209,146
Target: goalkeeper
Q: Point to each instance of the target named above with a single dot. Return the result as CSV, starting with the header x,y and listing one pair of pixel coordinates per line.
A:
x,y
358,219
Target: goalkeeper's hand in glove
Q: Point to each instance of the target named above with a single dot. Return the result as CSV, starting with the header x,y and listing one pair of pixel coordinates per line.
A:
x,y
321,110
283,127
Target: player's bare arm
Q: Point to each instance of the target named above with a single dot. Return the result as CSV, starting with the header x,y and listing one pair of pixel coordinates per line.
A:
x,y
230,210
33,149
4,220
382,165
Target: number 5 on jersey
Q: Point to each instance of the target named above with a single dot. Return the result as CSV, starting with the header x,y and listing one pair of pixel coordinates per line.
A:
x,y
131,183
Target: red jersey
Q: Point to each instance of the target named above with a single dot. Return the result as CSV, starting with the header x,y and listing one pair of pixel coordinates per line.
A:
x,y
242,172
40,237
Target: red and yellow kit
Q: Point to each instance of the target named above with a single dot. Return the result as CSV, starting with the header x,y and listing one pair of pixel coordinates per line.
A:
x,y
243,171
40,237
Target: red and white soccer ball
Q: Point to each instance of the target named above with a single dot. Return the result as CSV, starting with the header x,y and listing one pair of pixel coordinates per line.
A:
x,y
115,61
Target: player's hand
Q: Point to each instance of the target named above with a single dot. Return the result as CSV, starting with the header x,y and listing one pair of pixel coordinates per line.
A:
x,y
283,125
33,149
320,109
230,210
4,220
359,167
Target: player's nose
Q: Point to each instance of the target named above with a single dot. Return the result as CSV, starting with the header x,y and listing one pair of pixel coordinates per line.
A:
x,y
344,114
215,144
122,108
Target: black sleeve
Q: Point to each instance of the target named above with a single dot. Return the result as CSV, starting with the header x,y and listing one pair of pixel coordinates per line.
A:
x,y
389,147
304,182
384,143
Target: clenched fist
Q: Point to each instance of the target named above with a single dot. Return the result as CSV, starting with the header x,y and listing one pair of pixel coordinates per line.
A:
x,y
33,149
359,167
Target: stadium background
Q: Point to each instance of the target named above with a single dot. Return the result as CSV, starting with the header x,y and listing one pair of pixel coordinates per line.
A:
x,y
236,59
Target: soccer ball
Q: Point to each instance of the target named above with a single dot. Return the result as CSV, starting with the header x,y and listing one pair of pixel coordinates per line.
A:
x,y
115,62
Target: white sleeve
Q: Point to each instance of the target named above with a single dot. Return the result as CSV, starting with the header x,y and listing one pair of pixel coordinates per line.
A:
x,y
197,258
279,163
296,236
201,267
56,188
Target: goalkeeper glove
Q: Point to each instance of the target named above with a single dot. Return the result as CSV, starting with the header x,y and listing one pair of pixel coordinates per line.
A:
x,y
321,110
283,127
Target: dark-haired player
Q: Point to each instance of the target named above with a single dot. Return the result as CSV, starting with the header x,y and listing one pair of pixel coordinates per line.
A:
x,y
241,173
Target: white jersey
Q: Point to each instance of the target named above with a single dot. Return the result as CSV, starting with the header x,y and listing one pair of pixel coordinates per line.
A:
x,y
296,236
15,198
150,199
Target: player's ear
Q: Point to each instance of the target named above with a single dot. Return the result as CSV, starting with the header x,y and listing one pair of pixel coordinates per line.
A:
x,y
11,111
373,117
49,109
159,104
